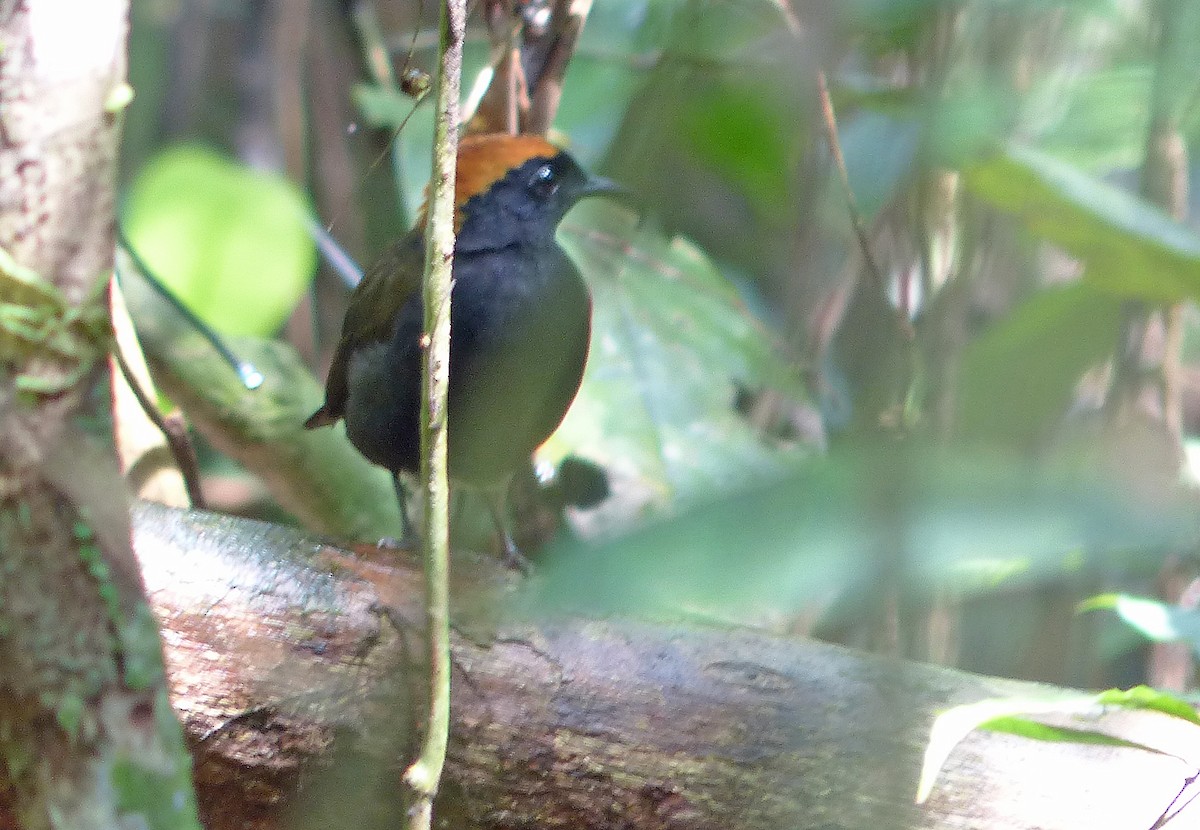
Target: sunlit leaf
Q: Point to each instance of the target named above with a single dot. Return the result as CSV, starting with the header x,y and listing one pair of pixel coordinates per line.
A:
x,y
1013,716
229,241
1154,620
1132,249
1154,700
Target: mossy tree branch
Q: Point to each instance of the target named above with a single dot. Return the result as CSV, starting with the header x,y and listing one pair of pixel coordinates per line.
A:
x,y
87,737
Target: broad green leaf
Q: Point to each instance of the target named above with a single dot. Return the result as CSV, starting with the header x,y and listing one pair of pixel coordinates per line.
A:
x,y
230,242
1019,376
1102,125
1131,248
671,343
1012,716
1154,700
831,527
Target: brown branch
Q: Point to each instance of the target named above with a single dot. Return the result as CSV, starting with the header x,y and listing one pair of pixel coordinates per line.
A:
x,y
566,26
301,664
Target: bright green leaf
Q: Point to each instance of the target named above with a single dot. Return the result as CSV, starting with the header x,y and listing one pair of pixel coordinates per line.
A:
x,y
1154,620
1144,697
951,727
1132,249
1012,716
230,242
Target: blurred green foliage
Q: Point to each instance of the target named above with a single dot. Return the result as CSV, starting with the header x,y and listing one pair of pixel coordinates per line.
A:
x,y
918,519
1130,247
229,242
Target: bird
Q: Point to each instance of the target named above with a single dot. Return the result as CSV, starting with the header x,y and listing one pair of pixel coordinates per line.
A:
x,y
520,325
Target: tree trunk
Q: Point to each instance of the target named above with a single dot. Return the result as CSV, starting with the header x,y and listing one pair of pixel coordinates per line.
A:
x,y
294,665
87,737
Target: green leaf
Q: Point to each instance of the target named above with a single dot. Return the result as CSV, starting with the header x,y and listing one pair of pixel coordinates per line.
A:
x,y
1102,124
1008,715
737,136
1154,620
671,343
1144,697
954,521
706,144
230,242
1131,248
1019,376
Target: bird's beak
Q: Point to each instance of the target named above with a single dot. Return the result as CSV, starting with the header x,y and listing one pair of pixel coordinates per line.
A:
x,y
600,186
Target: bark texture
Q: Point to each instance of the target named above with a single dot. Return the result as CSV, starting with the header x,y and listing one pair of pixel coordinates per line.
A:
x,y
297,666
87,737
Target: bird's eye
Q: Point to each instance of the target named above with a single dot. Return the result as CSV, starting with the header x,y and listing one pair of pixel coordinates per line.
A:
x,y
544,182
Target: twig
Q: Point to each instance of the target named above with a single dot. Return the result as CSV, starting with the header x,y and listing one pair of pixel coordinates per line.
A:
x,y
172,428
424,774
1171,811
839,161
860,230
568,20
379,63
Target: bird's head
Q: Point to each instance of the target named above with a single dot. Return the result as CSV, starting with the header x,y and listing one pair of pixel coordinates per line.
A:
x,y
517,189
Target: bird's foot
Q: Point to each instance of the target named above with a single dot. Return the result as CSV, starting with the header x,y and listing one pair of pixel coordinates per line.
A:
x,y
512,557
406,542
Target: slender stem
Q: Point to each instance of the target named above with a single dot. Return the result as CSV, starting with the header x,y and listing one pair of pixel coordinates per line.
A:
x,y
175,433
423,776
835,149
379,64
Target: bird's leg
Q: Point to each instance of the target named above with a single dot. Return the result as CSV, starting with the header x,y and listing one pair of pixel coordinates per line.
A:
x,y
408,534
510,555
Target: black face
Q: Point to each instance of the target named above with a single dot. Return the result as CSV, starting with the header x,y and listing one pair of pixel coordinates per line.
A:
x,y
527,204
